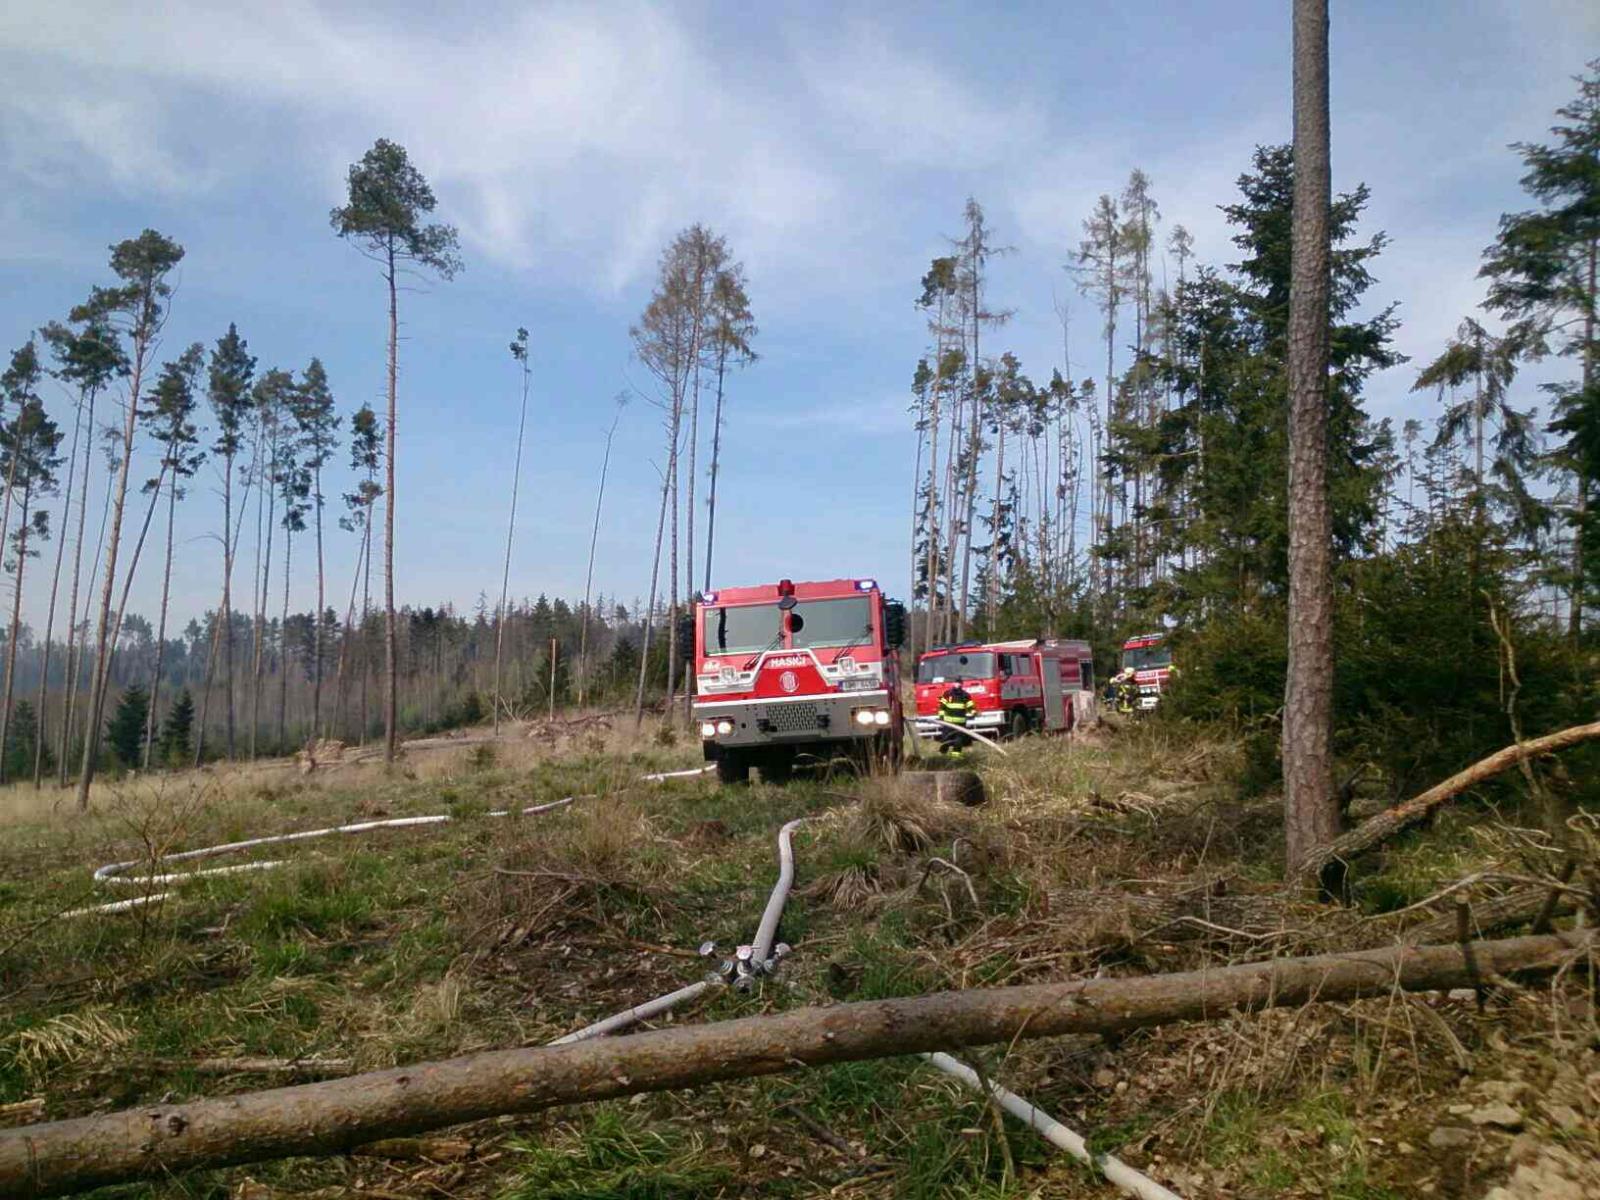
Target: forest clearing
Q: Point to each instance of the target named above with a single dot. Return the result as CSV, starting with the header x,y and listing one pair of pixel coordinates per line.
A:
x,y
1096,693
1087,861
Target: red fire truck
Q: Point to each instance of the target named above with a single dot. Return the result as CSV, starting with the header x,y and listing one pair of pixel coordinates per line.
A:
x,y
791,669
1018,687
1149,657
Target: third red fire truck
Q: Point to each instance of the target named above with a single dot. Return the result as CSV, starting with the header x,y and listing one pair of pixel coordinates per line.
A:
x,y
1149,657
1018,687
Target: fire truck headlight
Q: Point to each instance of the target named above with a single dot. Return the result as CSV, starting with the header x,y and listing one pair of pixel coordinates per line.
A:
x,y
724,726
708,730
881,717
863,716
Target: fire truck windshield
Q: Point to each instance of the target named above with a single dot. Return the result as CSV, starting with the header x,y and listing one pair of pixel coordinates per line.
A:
x,y
1146,658
978,664
814,624
746,629
820,624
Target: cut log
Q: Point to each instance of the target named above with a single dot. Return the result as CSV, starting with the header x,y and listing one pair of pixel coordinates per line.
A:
x,y
1327,863
336,1116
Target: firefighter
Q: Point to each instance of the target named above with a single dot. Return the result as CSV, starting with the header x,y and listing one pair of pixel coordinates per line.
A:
x,y
1127,692
956,707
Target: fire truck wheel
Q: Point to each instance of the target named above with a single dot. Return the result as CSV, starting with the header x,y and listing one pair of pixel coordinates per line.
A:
x,y
733,769
777,766
1017,725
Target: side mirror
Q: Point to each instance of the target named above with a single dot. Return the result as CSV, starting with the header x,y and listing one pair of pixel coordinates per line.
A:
x,y
894,623
686,637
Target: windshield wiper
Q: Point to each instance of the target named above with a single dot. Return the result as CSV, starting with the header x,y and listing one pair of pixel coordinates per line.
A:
x,y
772,645
853,643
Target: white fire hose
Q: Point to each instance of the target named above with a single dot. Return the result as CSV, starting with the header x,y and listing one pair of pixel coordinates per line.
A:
x,y
1134,1182
112,873
760,957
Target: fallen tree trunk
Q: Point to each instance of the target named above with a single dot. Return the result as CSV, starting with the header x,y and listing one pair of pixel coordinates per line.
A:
x,y
1489,916
336,1116
1329,860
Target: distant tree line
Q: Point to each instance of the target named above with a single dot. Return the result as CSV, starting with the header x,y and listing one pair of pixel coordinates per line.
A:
x,y
99,481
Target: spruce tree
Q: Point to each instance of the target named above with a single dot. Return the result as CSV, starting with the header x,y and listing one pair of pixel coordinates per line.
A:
x,y
1543,270
125,731
177,730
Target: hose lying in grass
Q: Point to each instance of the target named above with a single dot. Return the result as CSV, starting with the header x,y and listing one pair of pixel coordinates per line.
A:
x,y
112,873
156,1140
1118,1172
761,952
1135,1183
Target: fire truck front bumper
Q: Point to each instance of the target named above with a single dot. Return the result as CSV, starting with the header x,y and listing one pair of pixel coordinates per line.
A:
x,y
793,721
990,720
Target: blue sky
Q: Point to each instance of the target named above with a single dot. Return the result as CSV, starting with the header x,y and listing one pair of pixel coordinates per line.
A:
x,y
833,145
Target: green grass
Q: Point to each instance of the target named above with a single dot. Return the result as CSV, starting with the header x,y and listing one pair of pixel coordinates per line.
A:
x,y
608,1155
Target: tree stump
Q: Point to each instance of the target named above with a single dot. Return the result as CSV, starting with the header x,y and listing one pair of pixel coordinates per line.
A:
x,y
955,787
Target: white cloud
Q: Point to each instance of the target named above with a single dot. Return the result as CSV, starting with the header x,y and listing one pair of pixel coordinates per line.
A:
x,y
571,134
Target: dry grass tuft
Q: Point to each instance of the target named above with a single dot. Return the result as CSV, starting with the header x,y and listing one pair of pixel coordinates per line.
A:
x,y
848,888
903,819
66,1040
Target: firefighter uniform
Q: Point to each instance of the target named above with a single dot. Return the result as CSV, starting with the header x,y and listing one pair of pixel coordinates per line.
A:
x,y
1126,691
956,707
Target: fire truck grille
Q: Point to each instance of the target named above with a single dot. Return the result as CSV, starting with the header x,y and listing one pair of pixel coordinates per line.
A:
x,y
791,718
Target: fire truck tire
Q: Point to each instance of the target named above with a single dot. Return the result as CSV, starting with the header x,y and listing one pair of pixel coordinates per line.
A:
x,y
732,769
777,766
1017,724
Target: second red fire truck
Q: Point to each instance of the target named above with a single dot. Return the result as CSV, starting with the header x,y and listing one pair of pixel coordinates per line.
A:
x,y
1043,685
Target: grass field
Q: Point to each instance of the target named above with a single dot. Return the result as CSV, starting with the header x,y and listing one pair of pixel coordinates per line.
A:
x,y
1114,855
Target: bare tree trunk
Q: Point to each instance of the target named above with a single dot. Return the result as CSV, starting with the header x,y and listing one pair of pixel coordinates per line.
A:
x,y
992,591
511,526
102,658
915,515
1311,809
716,461
333,1116
1581,480
50,620
931,509
161,625
391,688
594,538
261,577
952,517
341,679
366,608
5,528
650,605
16,621
127,584
672,606
70,675
222,631
316,628
283,646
